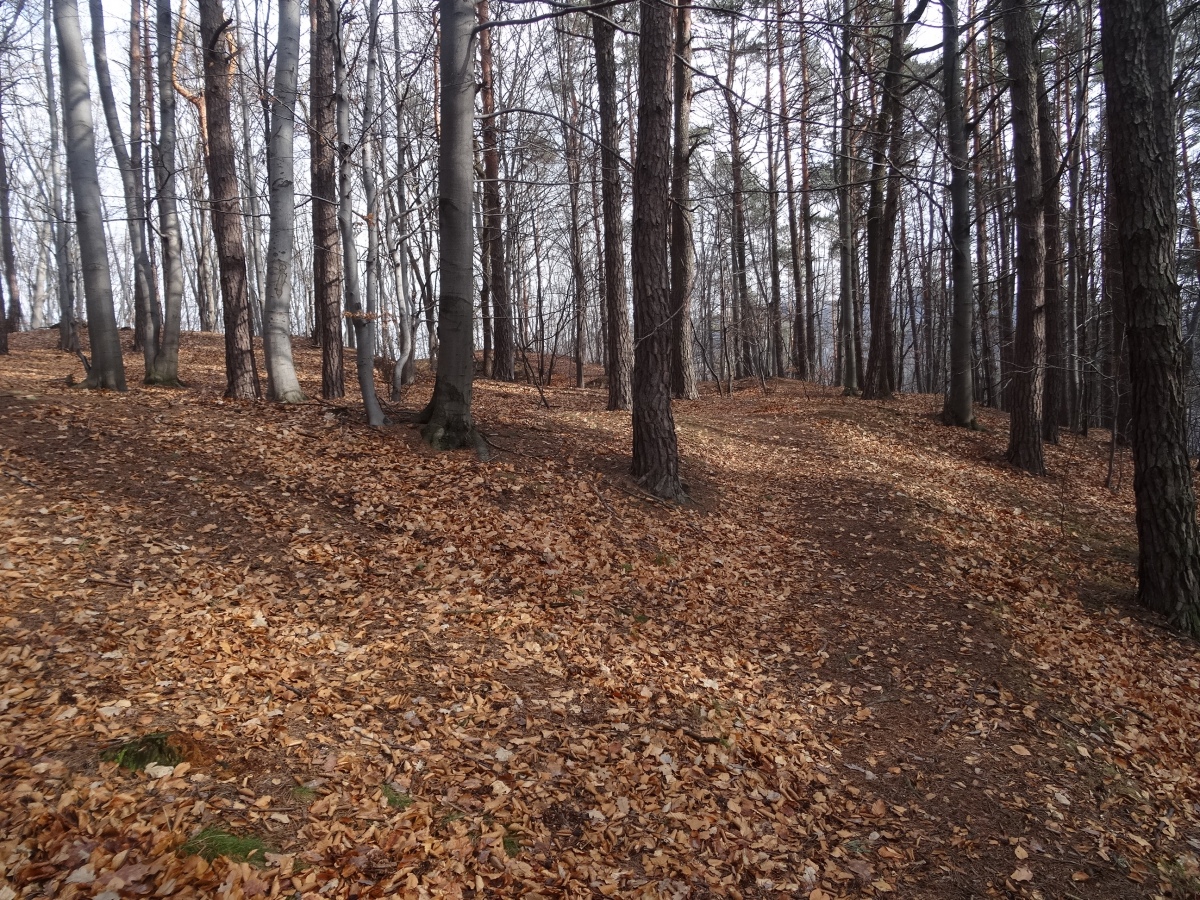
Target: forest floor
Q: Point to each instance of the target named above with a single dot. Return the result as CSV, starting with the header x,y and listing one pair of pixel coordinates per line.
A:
x,y
869,658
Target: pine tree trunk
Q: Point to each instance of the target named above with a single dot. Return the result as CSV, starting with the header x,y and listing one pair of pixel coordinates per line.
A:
x,y
327,254
683,259
1137,52
241,371
655,449
1056,357
1029,350
618,350
846,354
107,369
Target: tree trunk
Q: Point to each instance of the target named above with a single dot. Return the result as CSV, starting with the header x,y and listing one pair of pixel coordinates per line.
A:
x,y
68,338
241,371
618,350
364,343
166,360
282,383
1137,52
683,259
1029,351
493,215
745,330
107,369
958,409
1054,402
655,450
776,307
799,355
849,369
448,421
327,256
11,320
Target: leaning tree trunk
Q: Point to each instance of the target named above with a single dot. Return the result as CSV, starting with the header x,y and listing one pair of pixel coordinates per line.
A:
x,y
1029,350
327,254
618,351
959,406
166,362
364,350
282,383
1137,51
683,258
493,215
241,372
655,449
107,369
447,418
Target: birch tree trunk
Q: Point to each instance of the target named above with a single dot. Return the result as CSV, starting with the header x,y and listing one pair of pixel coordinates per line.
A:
x,y
655,447
282,383
107,369
447,419
1137,52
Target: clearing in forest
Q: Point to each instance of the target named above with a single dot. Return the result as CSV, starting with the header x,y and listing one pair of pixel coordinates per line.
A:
x,y
252,650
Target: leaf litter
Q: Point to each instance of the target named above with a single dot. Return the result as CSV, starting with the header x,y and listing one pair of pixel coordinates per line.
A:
x,y
868,659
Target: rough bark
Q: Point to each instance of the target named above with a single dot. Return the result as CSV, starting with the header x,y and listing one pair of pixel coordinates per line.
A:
x,y
1137,49
327,255
241,370
1054,399
448,419
799,354
1029,350
618,350
846,355
959,409
655,449
683,259
107,369
493,214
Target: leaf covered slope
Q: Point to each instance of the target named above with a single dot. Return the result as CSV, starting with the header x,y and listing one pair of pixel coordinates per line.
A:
x,y
869,658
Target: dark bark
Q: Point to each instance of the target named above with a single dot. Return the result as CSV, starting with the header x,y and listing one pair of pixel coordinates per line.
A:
x,y
959,408
12,319
655,449
327,255
618,350
241,370
683,259
1029,350
503,340
1137,51
1054,402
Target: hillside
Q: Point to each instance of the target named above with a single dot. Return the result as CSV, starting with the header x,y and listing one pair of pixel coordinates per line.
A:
x,y
869,658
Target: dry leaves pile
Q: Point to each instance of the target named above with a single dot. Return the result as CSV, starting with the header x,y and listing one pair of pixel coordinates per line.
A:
x,y
869,659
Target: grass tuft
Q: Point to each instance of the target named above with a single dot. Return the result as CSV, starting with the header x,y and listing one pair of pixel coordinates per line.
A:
x,y
396,799
149,750
213,842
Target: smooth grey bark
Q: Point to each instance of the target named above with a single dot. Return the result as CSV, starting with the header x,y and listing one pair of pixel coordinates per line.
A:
x,y
107,369
68,338
166,361
364,352
366,333
282,383
1137,48
145,286
655,446
959,406
447,419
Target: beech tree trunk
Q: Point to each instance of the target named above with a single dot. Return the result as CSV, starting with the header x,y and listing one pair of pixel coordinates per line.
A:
x,y
327,254
448,420
282,383
12,320
1029,350
655,449
166,361
68,338
107,369
1137,52
618,349
241,371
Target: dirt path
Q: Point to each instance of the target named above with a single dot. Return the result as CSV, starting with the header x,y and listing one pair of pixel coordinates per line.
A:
x,y
858,664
